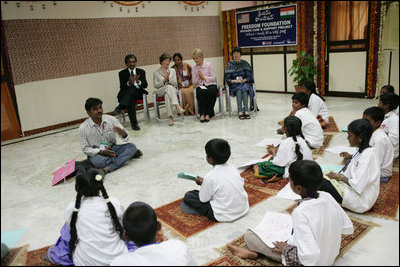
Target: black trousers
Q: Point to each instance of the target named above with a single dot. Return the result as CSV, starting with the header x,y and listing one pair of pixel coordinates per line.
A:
x,y
131,107
327,186
206,99
192,199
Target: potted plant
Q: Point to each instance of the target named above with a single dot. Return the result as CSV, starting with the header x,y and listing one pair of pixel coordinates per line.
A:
x,y
303,68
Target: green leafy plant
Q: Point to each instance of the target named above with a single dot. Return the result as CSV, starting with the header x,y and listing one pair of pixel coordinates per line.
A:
x,y
303,68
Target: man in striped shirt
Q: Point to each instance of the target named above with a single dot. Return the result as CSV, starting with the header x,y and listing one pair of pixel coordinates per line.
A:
x,y
98,142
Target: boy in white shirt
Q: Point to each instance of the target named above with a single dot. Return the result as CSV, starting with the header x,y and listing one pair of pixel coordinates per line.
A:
x,y
388,103
222,197
141,227
311,127
318,223
380,142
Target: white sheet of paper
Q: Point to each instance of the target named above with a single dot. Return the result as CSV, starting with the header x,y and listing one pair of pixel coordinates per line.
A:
x,y
274,227
252,162
203,87
269,141
339,149
287,193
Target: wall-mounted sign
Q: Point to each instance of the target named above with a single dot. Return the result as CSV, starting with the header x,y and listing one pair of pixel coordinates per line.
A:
x,y
274,26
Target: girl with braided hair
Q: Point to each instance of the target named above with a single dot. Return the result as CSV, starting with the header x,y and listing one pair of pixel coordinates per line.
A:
x,y
293,148
93,233
356,186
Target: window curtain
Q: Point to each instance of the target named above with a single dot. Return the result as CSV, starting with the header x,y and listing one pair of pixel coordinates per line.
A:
x,y
348,20
391,28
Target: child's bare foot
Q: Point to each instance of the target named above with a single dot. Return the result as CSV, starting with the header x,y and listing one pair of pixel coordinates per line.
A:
x,y
244,253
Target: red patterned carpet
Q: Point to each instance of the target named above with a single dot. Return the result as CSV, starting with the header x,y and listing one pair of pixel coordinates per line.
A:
x,y
387,203
332,128
228,259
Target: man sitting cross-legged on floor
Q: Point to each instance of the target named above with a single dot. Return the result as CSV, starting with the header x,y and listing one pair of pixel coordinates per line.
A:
x,y
98,142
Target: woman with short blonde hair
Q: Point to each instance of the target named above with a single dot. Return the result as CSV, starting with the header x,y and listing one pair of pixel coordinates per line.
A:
x,y
205,81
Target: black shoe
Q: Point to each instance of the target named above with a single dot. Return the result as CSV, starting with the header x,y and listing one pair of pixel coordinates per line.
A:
x,y
202,121
135,127
138,154
205,120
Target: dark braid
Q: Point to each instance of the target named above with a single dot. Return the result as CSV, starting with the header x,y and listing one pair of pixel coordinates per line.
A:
x,y
364,128
74,235
293,126
113,213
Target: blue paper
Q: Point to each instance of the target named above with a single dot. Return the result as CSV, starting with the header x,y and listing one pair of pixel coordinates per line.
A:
x,y
330,168
188,176
10,238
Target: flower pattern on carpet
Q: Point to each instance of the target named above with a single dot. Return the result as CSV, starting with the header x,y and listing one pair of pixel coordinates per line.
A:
x,y
325,144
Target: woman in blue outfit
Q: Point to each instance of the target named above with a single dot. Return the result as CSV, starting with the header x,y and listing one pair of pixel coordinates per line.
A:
x,y
239,76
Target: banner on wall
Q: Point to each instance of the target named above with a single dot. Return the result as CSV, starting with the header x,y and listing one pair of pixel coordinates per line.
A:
x,y
274,26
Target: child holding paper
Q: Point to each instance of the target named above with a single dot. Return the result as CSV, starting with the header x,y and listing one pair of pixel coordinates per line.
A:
x,y
357,188
221,197
318,223
293,148
380,142
95,236
142,227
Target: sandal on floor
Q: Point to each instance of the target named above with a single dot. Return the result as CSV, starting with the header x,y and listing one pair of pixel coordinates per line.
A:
x,y
241,116
247,116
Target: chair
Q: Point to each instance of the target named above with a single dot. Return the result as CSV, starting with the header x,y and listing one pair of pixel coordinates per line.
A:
x,y
229,102
220,102
159,101
139,103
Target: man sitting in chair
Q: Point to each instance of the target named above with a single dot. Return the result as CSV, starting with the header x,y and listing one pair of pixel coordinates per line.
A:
x,y
132,82
98,142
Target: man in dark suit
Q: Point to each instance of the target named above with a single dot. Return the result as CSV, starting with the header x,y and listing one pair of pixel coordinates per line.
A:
x,y
132,82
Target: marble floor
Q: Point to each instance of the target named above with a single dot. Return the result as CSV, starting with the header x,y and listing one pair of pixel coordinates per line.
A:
x,y
28,201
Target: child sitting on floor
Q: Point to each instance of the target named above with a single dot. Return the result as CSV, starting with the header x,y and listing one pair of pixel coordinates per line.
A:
x,y
389,89
357,189
222,197
316,103
380,142
293,148
388,103
311,128
95,236
318,223
142,227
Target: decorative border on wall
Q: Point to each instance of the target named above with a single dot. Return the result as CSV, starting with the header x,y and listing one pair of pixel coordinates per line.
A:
x,y
44,49
230,35
321,43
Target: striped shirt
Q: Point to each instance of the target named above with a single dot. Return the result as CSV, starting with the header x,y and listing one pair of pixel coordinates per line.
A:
x,y
91,134
208,72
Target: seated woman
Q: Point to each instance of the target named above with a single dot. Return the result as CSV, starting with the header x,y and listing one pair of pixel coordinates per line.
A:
x,y
293,148
238,75
164,80
316,103
357,188
184,78
205,81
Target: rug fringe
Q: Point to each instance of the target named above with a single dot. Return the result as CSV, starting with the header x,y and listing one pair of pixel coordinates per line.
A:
x,y
168,228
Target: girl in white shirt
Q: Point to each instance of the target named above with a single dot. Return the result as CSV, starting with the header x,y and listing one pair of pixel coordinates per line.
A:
x,y
96,234
357,188
316,104
142,227
318,223
380,142
291,149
